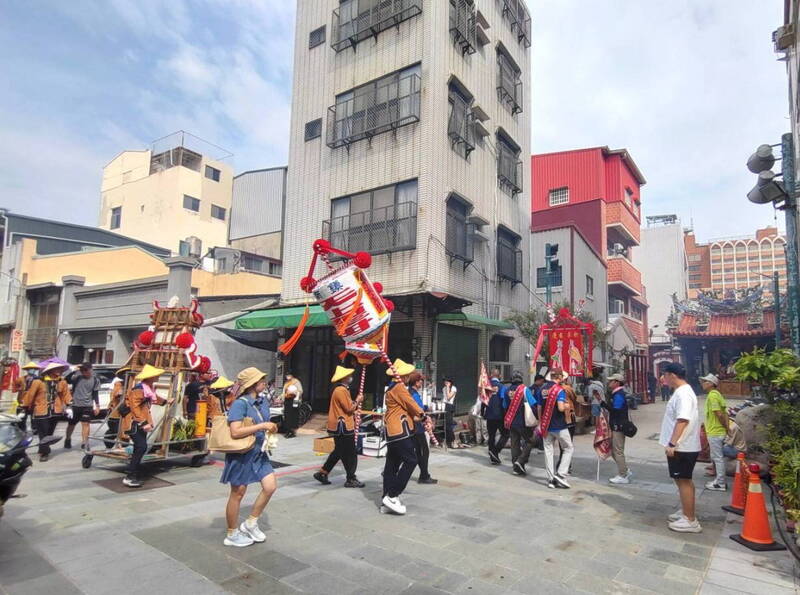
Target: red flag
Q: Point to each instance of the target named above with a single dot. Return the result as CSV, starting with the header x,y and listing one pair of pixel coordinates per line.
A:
x,y
602,438
484,386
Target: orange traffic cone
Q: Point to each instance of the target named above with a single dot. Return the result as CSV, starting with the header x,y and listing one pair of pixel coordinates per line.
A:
x,y
756,533
739,491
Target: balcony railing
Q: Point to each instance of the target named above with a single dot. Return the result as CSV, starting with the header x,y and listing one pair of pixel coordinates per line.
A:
x,y
379,231
41,341
519,20
509,86
460,126
392,104
509,170
462,25
357,20
509,263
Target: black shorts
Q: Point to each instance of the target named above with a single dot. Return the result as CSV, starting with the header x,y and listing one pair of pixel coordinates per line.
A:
x,y
82,414
681,465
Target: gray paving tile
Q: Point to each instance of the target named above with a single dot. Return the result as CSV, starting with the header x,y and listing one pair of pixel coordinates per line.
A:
x,y
257,582
48,584
319,582
678,559
654,583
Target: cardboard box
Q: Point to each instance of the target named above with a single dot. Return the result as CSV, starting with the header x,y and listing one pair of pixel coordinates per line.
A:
x,y
324,445
374,446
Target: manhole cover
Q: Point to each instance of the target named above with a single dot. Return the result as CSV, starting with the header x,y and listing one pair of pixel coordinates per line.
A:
x,y
115,484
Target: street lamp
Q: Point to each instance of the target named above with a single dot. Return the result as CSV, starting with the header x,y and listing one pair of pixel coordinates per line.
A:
x,y
782,194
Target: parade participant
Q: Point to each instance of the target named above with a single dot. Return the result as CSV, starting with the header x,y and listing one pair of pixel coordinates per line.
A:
x,y
449,391
570,415
415,384
85,403
514,422
553,427
117,396
341,426
292,397
22,385
253,466
220,397
597,393
680,437
665,389
495,412
716,422
401,457
47,398
618,416
139,422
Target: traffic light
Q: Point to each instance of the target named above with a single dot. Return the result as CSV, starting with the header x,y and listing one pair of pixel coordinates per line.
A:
x,y
767,188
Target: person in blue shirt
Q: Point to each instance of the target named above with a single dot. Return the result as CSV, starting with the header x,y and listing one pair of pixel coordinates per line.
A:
x,y
521,435
495,412
556,431
618,416
415,382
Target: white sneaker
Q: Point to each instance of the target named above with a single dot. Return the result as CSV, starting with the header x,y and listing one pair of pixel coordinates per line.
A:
x,y
619,479
715,487
684,525
238,539
253,531
394,505
678,514
561,482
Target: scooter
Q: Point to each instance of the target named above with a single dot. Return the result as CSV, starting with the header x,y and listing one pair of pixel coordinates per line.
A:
x,y
14,461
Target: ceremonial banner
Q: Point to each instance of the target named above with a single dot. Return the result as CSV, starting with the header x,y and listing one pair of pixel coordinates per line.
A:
x,y
567,350
484,386
602,438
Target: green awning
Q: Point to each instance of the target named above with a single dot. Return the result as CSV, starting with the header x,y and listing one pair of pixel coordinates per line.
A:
x,y
282,318
474,318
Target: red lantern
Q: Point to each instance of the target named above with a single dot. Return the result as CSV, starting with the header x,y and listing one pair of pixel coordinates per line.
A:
x,y
184,340
146,338
205,364
363,260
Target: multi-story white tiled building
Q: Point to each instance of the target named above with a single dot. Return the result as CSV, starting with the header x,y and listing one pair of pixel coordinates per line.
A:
x,y
410,138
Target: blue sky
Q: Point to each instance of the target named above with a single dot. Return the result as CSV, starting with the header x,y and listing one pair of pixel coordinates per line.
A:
x,y
689,87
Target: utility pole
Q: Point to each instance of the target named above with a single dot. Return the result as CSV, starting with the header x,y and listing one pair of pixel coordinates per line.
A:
x,y
790,211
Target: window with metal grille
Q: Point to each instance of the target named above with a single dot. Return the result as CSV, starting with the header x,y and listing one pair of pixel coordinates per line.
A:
x,y
500,348
191,203
462,25
275,269
218,212
509,166
377,221
313,129
616,306
556,277
509,256
458,237
460,127
251,262
116,217
212,173
558,196
357,20
316,37
509,81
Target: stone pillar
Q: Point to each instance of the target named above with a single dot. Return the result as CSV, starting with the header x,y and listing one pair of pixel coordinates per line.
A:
x,y
69,304
179,282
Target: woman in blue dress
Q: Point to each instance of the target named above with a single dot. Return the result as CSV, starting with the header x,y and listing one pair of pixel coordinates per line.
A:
x,y
253,466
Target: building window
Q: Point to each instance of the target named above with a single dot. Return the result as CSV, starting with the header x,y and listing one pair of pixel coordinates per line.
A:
x,y
509,82
694,267
628,198
460,127
637,312
462,25
385,104
218,212
313,129
589,286
616,306
183,248
509,166
556,277
191,203
275,269
558,196
254,263
212,173
458,236
695,258
509,256
695,285
356,20
316,37
116,217
500,348
378,221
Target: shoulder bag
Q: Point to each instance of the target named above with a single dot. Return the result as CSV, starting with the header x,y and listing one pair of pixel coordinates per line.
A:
x,y
629,429
530,416
221,440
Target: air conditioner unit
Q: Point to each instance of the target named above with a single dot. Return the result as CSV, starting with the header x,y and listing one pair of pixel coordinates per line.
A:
x,y
783,37
195,246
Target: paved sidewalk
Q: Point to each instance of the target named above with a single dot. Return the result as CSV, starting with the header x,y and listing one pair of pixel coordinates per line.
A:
x,y
481,530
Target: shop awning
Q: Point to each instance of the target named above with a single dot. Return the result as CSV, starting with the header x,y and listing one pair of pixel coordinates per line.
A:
x,y
473,318
282,318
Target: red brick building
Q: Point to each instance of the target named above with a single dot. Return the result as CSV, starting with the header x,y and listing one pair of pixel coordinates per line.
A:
x,y
598,191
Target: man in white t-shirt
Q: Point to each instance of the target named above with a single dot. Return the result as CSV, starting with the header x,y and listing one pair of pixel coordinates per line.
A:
x,y
680,437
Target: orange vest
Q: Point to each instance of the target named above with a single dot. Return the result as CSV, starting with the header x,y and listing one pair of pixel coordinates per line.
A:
x,y
340,413
401,409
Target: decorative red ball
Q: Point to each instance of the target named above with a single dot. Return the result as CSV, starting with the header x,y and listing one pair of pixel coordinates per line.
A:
x,y
197,318
146,338
307,284
321,246
184,340
564,313
378,286
363,260
389,305
205,364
